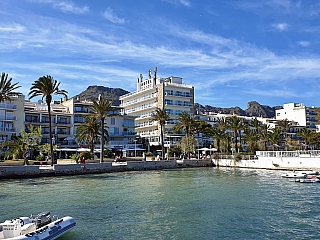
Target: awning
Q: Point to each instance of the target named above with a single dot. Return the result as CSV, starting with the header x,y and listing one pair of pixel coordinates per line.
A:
x,y
66,150
207,149
133,149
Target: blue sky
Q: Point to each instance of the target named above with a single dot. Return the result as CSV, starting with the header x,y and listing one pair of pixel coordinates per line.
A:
x,y
232,52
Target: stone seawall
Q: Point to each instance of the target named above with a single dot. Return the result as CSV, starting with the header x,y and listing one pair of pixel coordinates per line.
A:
x,y
7,172
273,163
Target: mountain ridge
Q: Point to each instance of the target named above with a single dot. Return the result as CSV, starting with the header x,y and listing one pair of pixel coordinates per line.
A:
x,y
254,109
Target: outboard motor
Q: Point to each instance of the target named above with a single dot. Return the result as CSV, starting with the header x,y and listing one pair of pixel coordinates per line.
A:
x,y
43,219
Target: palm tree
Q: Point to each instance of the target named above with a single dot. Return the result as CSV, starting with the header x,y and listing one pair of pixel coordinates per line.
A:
x,y
47,86
185,124
275,137
217,134
256,125
101,108
222,123
284,124
250,137
235,124
161,116
306,134
7,88
88,131
265,135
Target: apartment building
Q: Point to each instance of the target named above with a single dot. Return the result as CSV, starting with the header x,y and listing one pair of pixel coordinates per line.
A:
x,y
36,113
151,93
298,112
121,129
11,117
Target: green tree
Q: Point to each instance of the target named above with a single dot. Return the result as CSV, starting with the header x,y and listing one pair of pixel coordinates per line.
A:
x,y
235,124
250,136
101,109
186,123
188,144
45,148
89,131
222,123
7,88
306,134
256,125
21,146
284,124
217,134
161,116
275,137
46,87
265,135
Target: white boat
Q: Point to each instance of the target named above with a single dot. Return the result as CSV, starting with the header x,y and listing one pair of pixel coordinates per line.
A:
x,y
308,180
40,227
299,174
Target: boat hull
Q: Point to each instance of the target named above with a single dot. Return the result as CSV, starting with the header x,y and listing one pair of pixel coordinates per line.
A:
x,y
50,231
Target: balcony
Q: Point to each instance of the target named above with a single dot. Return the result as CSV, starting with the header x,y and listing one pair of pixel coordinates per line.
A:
x,y
63,122
8,106
32,120
7,129
9,118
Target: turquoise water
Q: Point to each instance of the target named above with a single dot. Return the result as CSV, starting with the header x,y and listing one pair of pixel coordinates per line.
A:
x,y
201,203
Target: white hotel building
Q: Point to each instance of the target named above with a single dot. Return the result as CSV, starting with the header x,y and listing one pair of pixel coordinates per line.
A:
x,y
298,112
169,93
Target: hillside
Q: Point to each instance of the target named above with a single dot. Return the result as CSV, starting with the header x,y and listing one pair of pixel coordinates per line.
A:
x,y
93,92
253,107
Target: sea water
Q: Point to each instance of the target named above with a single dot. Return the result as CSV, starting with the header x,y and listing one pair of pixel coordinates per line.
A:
x,y
194,203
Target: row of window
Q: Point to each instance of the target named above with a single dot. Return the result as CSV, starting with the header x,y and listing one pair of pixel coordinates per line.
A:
x,y
177,103
139,99
177,93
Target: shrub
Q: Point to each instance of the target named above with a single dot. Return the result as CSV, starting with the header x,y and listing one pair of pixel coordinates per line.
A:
x,y
149,154
39,158
86,155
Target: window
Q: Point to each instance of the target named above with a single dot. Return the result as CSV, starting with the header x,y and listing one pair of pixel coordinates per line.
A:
x,y
114,131
128,122
113,121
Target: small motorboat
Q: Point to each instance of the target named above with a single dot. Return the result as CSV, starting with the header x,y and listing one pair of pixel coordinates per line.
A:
x,y
40,227
299,174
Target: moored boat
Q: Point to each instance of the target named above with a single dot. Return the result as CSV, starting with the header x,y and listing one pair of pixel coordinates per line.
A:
x,y
299,174
309,180
40,227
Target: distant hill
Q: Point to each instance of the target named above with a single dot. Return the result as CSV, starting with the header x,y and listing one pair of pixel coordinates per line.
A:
x,y
93,92
253,108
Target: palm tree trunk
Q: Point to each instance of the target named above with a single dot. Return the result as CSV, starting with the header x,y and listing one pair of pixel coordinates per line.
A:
x,y
162,142
50,135
102,140
236,140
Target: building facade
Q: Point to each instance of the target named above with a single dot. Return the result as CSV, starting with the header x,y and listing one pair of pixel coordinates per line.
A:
x,y
165,93
298,112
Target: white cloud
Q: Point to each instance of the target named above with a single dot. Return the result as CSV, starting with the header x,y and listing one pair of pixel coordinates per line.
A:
x,y
12,28
304,43
65,6
280,26
108,14
70,7
185,3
